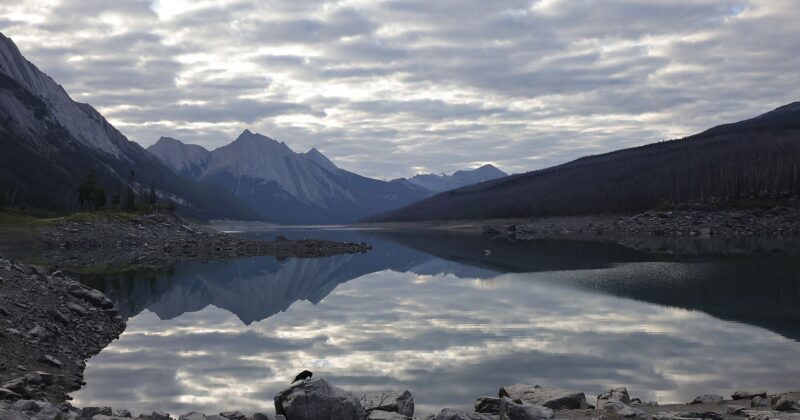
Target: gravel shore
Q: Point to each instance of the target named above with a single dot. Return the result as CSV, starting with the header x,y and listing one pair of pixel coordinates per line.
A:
x,y
119,242
51,324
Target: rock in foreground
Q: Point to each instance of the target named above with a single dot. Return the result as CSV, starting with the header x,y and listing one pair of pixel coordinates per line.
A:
x,y
549,396
318,399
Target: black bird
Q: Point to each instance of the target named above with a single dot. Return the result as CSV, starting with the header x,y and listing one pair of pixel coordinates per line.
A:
x,y
302,376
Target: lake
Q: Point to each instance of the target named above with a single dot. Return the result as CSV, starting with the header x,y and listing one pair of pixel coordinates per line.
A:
x,y
432,313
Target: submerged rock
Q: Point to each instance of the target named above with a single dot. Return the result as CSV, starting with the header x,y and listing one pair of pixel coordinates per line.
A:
x,y
318,399
549,396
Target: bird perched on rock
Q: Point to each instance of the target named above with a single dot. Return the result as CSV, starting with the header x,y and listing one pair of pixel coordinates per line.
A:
x,y
302,376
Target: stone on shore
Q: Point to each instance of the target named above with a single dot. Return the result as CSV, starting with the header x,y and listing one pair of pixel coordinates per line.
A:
x,y
711,415
707,399
549,396
518,410
401,402
234,415
619,394
488,405
748,395
318,399
155,415
615,408
786,402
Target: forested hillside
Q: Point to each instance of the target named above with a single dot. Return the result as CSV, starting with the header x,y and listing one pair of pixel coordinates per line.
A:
x,y
733,162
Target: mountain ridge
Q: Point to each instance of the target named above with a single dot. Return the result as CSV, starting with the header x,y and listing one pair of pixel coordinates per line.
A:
x,y
289,187
458,179
51,143
737,160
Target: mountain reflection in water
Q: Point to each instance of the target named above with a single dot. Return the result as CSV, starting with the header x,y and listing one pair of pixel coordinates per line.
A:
x,y
431,313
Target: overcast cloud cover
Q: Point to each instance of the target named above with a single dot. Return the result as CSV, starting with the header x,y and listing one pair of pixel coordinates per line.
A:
x,y
391,88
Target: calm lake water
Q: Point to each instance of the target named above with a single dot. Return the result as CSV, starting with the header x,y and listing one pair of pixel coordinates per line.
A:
x,y
431,313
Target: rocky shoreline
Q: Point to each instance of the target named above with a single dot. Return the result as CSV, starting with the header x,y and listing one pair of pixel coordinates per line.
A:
x,y
121,242
775,222
318,399
677,232
51,325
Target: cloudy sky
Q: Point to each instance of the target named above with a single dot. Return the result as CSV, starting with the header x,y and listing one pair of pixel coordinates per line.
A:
x,y
390,88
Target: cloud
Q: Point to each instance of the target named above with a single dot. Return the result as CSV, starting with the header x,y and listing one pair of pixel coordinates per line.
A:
x,y
418,85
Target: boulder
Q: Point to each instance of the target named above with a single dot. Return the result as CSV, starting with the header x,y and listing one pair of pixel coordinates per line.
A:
x,y
318,399
514,410
386,415
617,409
233,415
260,416
760,402
736,410
549,396
453,414
7,394
785,402
193,415
707,399
747,395
155,415
619,394
395,401
122,413
488,405
92,296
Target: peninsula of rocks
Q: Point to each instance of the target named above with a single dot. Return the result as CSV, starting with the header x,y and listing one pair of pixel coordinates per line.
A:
x,y
105,242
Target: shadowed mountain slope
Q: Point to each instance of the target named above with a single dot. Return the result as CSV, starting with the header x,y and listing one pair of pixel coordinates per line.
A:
x,y
734,161
50,143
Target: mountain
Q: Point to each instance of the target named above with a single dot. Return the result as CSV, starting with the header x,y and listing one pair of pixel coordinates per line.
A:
x,y
733,162
50,143
440,183
284,186
186,160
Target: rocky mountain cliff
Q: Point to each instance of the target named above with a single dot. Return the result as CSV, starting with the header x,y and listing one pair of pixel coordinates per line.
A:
x,y
442,182
284,186
50,143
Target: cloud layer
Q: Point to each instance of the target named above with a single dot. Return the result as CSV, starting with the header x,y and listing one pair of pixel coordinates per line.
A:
x,y
395,87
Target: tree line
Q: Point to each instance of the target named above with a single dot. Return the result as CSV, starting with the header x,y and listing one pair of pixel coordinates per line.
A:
x,y
730,167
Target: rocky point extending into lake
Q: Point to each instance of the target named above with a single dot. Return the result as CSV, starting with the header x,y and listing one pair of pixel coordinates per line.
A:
x,y
112,242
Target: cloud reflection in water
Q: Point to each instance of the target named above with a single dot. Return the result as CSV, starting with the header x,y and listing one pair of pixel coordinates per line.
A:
x,y
448,339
